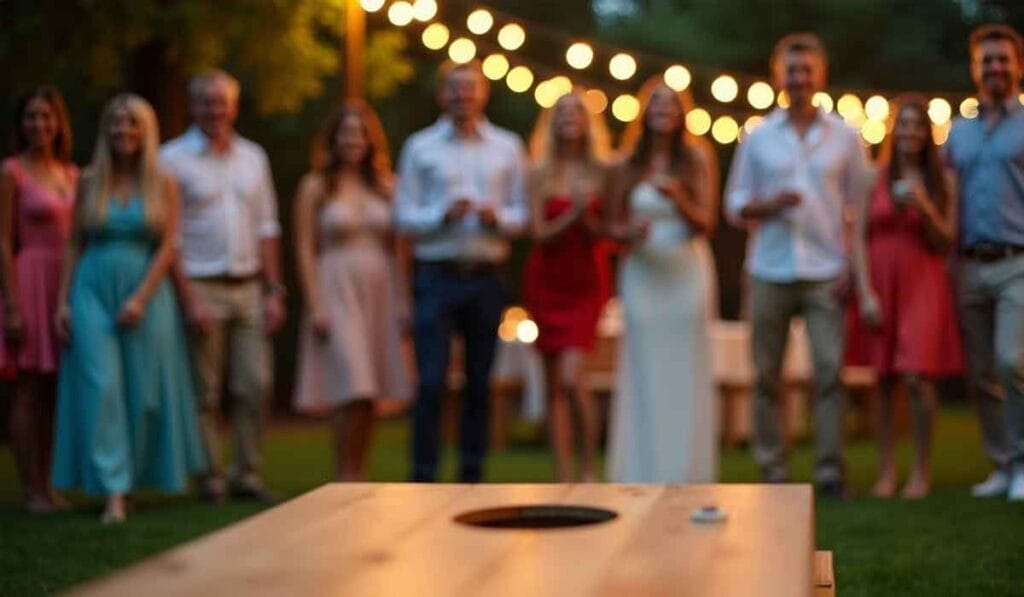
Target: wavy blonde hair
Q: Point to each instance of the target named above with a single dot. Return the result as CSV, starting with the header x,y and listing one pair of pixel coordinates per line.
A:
x,y
98,185
544,143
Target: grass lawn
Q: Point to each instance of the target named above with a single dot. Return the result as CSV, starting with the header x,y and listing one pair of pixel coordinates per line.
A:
x,y
948,544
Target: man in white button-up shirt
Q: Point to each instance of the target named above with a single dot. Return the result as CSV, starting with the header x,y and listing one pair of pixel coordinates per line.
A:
x,y
461,196
791,182
231,282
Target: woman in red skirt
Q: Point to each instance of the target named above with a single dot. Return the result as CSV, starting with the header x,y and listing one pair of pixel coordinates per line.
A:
x,y
909,332
567,274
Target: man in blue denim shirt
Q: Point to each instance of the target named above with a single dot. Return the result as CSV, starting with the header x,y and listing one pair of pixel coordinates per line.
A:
x,y
988,155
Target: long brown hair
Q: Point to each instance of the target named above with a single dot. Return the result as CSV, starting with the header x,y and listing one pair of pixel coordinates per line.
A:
x,y
930,160
52,96
376,165
637,143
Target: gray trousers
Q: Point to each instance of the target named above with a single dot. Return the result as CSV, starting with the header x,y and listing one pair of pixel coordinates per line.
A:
x,y
772,306
237,345
990,297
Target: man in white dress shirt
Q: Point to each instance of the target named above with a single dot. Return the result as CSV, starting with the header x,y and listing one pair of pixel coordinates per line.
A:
x,y
230,286
461,196
790,184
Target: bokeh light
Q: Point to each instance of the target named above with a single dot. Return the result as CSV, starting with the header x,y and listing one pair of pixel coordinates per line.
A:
x,y
462,50
400,13
724,89
424,10
725,130
511,37
698,121
435,36
595,100
626,108
479,21
677,77
761,95
519,79
622,66
495,66
579,55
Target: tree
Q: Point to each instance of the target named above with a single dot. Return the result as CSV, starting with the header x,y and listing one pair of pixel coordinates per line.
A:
x,y
282,50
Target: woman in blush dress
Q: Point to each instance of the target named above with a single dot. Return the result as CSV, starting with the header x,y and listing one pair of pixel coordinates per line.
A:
x,y
350,345
664,205
909,332
566,278
125,404
37,194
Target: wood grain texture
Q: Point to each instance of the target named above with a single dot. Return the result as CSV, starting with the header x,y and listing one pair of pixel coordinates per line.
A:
x,y
400,539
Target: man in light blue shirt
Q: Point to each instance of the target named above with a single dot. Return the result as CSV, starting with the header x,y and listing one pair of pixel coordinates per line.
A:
x,y
987,153
790,183
461,197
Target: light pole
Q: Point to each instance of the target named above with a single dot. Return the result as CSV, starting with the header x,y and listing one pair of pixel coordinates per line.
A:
x,y
355,42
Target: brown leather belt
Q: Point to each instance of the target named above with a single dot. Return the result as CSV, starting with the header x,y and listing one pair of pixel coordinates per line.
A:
x,y
987,253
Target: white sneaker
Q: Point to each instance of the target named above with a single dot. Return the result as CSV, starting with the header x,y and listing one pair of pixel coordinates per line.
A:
x,y
997,484
1016,492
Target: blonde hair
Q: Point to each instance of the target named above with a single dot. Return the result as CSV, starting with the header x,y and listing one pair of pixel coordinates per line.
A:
x,y
97,188
544,143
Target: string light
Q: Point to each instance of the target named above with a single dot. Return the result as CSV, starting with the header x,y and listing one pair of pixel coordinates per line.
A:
x,y
940,132
725,130
595,100
939,111
622,66
562,84
519,79
495,66
579,55
511,37
479,21
876,108
545,94
752,123
783,100
823,101
677,77
725,89
424,10
873,131
400,13
969,108
761,95
462,50
371,5
435,36
1020,98
626,108
698,121
527,331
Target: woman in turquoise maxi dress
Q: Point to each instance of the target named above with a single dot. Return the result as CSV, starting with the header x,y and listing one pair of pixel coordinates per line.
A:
x,y
126,408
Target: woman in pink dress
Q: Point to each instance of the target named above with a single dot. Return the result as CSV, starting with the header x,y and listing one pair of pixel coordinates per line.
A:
x,y
350,340
37,190
567,274
909,332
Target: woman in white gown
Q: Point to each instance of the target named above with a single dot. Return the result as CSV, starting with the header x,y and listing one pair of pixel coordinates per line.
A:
x,y
665,205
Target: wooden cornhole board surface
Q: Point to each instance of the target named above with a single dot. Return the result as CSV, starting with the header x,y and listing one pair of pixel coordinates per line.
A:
x,y
400,539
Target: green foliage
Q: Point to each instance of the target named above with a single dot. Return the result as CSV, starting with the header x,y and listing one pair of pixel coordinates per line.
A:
x,y
283,49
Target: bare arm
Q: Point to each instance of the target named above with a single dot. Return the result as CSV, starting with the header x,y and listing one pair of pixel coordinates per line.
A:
x,y
8,210
164,258
699,205
940,225
72,251
304,231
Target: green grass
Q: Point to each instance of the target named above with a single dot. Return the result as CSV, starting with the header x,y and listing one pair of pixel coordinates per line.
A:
x,y
948,544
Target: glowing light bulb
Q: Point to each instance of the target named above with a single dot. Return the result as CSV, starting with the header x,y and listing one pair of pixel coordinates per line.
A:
x,y
595,100
724,89
527,331
479,21
725,130
400,13
435,36
511,37
876,108
761,95
698,121
873,131
969,108
939,111
424,10
823,101
519,79
579,55
626,108
495,66
622,66
677,77
371,5
462,50
752,123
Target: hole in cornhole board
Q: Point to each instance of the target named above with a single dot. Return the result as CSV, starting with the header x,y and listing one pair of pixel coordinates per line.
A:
x,y
538,516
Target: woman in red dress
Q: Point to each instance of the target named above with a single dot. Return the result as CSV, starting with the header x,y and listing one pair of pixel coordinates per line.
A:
x,y
567,274
909,332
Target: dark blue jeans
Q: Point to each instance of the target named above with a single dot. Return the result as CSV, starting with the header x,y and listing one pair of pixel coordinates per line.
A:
x,y
468,303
